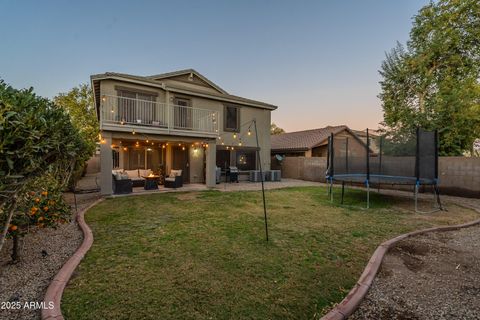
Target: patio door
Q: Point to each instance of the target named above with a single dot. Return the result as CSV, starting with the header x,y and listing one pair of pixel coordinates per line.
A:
x,y
182,114
180,161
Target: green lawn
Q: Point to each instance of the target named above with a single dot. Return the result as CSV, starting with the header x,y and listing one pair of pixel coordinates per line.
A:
x,y
203,255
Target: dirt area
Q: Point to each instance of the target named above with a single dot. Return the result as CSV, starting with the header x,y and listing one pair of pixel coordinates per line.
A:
x,y
42,253
433,276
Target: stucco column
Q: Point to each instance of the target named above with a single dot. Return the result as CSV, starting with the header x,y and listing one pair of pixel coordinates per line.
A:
x,y
121,158
106,164
211,159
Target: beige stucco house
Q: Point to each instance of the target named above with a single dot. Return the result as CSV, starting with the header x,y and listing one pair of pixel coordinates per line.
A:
x,y
177,121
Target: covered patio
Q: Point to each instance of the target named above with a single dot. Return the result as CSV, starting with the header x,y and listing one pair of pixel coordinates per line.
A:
x,y
131,162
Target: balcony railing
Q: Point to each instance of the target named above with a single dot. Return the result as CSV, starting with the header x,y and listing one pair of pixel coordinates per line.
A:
x,y
128,111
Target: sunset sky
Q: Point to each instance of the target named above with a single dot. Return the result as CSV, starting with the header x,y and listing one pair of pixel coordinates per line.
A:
x,y
317,60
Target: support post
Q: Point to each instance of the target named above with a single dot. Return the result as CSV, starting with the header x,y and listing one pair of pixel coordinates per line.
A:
x,y
106,165
261,179
210,174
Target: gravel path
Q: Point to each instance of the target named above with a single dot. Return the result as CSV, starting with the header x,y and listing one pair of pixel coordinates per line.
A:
x,y
42,254
432,276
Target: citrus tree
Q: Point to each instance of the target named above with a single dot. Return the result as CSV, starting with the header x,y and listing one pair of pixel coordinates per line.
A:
x,y
39,150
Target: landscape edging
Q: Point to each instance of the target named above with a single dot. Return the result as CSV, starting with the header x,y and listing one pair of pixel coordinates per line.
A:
x,y
55,289
355,296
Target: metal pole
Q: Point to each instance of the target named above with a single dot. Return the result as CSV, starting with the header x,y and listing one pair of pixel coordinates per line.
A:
x,y
261,179
343,190
368,195
368,170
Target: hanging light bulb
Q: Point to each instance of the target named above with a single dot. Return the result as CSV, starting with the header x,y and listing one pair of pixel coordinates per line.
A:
x,y
249,132
183,148
234,136
223,143
147,140
219,138
163,146
133,131
240,143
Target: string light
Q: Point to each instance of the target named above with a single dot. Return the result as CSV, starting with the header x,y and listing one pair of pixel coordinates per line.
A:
x,y
147,140
183,148
234,136
133,131
249,132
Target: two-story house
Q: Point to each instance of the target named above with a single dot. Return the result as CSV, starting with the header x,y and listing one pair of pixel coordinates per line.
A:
x,y
177,120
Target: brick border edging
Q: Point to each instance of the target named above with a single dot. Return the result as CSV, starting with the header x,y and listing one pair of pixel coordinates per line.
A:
x,y
353,299
55,289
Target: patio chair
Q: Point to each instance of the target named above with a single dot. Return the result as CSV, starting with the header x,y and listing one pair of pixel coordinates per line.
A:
x,y
174,180
121,186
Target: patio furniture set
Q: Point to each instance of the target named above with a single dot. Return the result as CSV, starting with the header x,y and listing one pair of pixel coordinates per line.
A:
x,y
124,181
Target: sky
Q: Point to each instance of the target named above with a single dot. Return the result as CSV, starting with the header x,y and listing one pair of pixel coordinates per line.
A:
x,y
318,61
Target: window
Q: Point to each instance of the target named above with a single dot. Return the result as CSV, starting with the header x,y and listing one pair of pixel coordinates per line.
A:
x,y
223,157
232,118
116,158
246,159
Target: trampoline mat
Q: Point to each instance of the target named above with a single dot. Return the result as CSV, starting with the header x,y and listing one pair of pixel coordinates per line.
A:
x,y
381,179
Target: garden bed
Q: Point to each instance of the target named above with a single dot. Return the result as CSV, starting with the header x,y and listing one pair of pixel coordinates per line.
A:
x,y
42,254
203,255
432,276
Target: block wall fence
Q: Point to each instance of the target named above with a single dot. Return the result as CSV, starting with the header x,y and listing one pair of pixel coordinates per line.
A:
x,y
458,176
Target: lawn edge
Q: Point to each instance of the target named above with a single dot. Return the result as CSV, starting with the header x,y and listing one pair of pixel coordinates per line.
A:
x,y
355,296
55,290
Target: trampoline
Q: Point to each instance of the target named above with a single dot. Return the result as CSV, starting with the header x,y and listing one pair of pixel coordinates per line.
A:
x,y
410,159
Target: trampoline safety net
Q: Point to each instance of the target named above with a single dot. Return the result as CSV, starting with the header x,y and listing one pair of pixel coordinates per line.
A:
x,y
406,159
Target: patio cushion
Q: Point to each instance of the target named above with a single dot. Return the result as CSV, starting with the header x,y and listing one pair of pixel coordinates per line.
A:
x,y
144,173
132,173
175,173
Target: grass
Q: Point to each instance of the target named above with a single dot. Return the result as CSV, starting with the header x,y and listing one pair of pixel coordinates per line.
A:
x,y
203,255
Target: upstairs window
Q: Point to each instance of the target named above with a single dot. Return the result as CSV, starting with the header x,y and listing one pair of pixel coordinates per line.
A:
x,y
232,119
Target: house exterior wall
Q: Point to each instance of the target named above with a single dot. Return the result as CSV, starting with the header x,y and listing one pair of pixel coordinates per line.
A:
x,y
197,159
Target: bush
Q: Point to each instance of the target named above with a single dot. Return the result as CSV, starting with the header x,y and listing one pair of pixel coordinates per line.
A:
x,y
39,147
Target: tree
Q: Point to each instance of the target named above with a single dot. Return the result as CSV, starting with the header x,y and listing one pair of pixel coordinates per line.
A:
x,y
433,82
39,150
78,102
274,130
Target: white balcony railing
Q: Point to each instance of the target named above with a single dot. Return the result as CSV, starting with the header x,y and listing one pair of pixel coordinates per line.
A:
x,y
128,111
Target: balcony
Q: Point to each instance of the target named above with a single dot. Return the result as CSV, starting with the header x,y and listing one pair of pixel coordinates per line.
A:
x,y
121,113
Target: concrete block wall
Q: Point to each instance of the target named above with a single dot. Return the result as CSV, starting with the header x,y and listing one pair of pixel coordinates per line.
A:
x,y
457,175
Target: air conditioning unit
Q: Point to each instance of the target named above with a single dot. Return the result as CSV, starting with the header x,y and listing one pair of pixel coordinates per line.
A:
x,y
255,176
274,175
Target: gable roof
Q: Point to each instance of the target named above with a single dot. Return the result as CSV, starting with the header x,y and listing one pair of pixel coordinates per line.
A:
x,y
304,140
184,72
